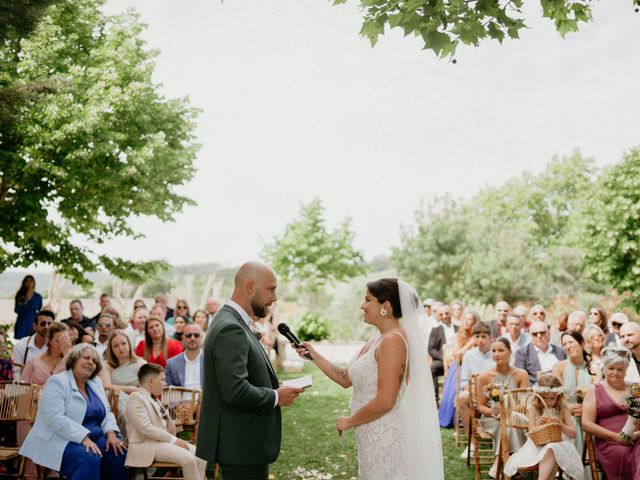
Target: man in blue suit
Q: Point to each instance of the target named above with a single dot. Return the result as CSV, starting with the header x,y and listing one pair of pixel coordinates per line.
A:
x,y
538,356
185,370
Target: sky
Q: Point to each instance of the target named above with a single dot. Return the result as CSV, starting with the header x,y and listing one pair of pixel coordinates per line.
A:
x,y
296,105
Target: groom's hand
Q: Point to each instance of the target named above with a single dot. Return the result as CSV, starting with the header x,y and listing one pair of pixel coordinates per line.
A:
x,y
286,395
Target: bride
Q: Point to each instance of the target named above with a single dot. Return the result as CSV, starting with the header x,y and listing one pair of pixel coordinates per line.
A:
x,y
393,407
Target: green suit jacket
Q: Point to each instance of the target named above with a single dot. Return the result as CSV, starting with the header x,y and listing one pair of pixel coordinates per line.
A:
x,y
239,422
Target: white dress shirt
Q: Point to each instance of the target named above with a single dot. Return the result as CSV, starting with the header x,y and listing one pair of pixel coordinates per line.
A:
x,y
26,345
547,359
247,319
192,372
449,332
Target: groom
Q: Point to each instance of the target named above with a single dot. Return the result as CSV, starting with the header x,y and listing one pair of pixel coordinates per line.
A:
x,y
240,423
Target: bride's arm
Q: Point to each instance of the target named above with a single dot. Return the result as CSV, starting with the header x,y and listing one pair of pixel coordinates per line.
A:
x,y
392,357
340,375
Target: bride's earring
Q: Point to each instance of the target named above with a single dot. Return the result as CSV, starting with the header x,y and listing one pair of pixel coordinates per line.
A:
x,y
383,312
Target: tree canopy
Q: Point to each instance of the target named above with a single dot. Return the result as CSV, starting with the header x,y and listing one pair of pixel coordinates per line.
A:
x,y
308,252
443,25
87,141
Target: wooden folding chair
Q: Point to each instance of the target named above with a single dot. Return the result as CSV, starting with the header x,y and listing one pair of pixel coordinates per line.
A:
x,y
113,396
459,433
589,457
18,402
482,441
184,408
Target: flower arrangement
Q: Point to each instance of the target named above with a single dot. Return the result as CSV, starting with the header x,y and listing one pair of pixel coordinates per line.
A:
x,y
631,401
580,394
493,392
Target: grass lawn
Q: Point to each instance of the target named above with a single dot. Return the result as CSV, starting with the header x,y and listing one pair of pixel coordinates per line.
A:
x,y
311,448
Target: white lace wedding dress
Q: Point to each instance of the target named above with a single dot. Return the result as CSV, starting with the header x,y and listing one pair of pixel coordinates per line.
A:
x,y
381,443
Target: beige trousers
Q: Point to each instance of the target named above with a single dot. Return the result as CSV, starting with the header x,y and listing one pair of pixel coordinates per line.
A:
x,y
193,468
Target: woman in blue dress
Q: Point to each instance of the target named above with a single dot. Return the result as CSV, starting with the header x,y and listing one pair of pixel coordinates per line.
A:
x,y
75,433
28,304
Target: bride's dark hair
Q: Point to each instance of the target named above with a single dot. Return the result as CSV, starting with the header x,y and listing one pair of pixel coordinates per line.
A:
x,y
386,289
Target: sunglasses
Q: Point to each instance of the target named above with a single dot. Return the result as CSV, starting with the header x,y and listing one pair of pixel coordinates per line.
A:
x,y
538,334
190,335
538,313
44,323
181,307
104,325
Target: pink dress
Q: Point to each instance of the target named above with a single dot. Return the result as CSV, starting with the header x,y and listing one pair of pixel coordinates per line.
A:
x,y
620,462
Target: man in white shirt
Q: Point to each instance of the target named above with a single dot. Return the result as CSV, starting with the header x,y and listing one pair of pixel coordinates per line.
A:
x,y
475,361
185,370
106,325
439,337
32,345
617,320
539,356
211,307
630,335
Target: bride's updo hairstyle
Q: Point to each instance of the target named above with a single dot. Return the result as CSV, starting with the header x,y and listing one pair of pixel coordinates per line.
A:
x,y
386,290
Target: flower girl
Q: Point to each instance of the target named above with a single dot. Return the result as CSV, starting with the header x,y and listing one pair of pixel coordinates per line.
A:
x,y
553,455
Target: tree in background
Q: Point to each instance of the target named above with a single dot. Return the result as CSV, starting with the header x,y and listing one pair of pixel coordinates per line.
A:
x,y
444,25
511,242
90,143
610,228
311,255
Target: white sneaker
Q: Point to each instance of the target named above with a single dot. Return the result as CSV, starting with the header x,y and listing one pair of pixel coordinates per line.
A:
x,y
467,451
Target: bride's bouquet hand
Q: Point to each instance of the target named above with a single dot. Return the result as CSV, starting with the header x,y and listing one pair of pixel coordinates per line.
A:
x,y
306,348
342,424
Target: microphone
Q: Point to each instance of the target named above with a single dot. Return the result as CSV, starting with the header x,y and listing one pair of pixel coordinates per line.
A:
x,y
284,329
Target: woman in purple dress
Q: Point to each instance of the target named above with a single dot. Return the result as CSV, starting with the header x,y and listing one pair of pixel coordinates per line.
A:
x,y
603,416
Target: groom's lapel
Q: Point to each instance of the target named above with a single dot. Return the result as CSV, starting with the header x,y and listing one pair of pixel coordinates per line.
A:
x,y
256,342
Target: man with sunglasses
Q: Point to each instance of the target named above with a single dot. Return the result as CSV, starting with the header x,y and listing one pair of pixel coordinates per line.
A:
x,y
539,356
630,336
186,370
32,345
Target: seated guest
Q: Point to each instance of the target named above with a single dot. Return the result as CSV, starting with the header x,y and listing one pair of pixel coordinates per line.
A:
x,y
577,321
618,319
440,336
538,313
104,302
75,432
558,329
630,336
77,315
539,355
457,309
464,340
185,369
594,343
498,325
576,377
78,334
40,367
160,311
603,416
136,334
152,431
475,361
505,377
6,364
201,318
515,335
211,306
34,344
156,347
178,323
522,312
598,317
106,325
122,366
182,308
553,455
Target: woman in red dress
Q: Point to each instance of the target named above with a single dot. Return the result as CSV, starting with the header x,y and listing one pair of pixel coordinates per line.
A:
x,y
156,347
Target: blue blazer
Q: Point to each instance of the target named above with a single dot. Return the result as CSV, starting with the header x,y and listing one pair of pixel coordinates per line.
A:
x,y
175,370
527,359
61,410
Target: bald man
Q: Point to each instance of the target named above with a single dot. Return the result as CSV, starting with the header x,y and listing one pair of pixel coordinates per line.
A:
x,y
630,336
240,423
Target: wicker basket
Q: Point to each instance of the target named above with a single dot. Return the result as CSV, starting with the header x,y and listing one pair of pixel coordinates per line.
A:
x,y
547,433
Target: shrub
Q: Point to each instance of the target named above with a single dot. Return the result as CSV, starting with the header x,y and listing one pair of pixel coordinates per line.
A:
x,y
313,326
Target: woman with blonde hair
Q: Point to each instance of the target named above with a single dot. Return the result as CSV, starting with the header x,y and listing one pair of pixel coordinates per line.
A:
x,y
38,369
549,406
594,343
